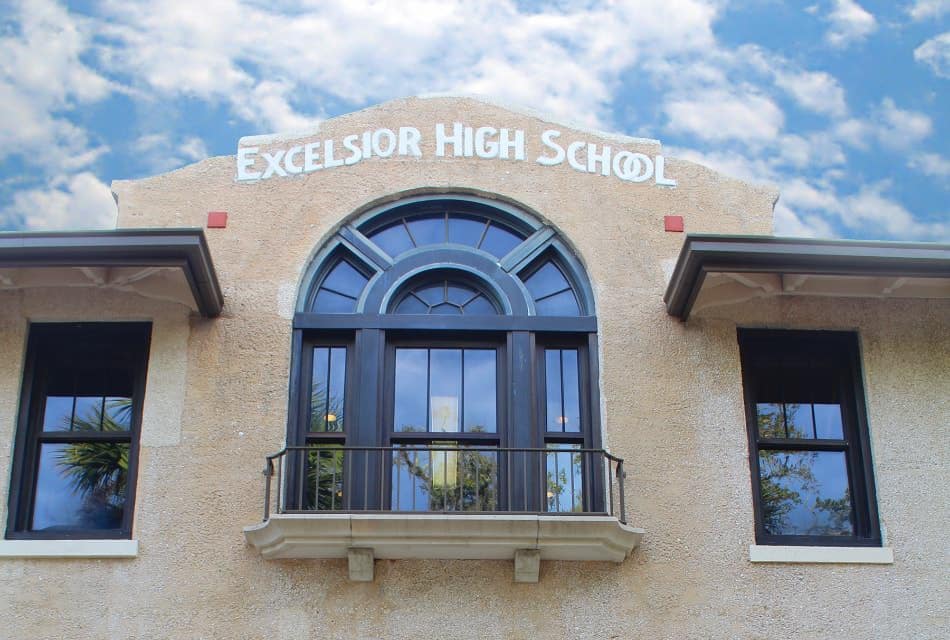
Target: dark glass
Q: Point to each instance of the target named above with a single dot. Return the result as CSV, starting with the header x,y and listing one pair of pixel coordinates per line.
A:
x,y
828,421
432,294
329,302
467,231
425,231
445,309
345,279
459,294
411,397
564,478
799,421
552,384
445,298
327,392
445,381
393,239
480,391
324,479
560,304
424,480
546,281
499,241
58,413
80,485
562,390
805,493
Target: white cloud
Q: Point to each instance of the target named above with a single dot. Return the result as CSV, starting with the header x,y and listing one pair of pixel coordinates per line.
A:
x,y
923,9
565,61
849,23
42,75
80,201
814,90
931,164
718,115
160,153
935,53
888,125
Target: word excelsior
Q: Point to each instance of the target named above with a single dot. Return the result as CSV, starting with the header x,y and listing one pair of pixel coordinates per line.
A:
x,y
458,141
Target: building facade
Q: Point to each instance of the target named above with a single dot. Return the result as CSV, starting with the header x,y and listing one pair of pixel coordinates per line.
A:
x,y
495,392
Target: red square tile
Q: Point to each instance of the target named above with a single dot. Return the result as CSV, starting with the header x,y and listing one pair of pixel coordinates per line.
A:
x,y
217,219
673,223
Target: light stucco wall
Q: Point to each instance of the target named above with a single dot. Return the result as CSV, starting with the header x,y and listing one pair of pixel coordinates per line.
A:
x,y
672,408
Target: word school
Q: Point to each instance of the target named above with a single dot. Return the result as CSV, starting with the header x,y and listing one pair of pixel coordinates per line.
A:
x,y
457,141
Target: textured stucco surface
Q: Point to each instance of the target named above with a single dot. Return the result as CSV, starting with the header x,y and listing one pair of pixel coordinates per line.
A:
x,y
672,408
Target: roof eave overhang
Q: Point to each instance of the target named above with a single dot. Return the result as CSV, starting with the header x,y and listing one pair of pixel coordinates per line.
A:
x,y
185,248
704,254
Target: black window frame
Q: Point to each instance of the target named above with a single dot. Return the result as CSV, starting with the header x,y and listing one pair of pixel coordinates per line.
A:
x,y
759,347
376,331
47,343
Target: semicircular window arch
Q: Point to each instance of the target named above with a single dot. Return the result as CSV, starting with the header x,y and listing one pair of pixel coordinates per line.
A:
x,y
445,295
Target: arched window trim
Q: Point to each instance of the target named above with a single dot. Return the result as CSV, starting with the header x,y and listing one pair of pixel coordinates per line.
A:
x,y
435,272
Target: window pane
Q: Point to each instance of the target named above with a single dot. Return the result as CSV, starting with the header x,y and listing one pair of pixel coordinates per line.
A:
x,y
412,304
546,281
393,239
411,398
335,404
552,383
329,302
445,380
805,493
499,242
58,414
828,421
572,403
565,485
467,231
318,389
424,480
445,309
88,415
118,414
344,278
480,306
480,391
770,419
81,485
428,230
324,479
561,304
799,421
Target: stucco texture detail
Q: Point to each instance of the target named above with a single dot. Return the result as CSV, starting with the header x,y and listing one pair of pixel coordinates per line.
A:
x,y
672,408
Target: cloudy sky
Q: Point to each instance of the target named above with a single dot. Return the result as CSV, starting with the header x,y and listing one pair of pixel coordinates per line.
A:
x,y
842,103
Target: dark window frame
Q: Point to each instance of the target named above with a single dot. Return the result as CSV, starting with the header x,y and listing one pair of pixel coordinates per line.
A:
x,y
43,339
757,346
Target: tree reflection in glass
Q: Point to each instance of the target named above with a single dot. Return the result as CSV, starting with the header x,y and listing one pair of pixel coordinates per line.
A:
x,y
564,479
434,480
324,488
84,484
805,493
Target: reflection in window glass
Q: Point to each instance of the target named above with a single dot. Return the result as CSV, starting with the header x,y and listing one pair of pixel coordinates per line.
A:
x,y
324,479
427,231
81,485
340,290
444,480
564,478
445,297
499,241
445,390
467,231
454,228
805,493
393,239
87,413
58,415
552,293
828,421
327,391
562,390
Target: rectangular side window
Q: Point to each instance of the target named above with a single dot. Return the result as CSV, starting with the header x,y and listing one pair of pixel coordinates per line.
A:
x,y
77,442
810,459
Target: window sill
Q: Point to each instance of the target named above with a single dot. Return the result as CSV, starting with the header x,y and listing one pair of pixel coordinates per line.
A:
x,y
69,548
821,555
527,538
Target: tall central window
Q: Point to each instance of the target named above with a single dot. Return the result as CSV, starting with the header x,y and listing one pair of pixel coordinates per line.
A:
x,y
445,361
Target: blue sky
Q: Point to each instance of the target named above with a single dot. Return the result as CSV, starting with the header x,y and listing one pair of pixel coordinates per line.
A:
x,y
841,103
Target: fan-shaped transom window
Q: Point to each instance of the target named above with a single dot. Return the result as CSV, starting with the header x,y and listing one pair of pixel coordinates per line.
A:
x,y
421,230
340,289
552,293
445,297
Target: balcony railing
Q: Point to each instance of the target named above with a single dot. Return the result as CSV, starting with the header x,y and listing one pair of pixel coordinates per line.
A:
x,y
445,478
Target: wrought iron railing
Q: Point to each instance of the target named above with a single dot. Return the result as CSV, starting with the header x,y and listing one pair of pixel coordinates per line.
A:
x,y
444,478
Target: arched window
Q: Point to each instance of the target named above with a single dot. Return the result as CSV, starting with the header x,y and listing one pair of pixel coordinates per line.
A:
x,y
445,358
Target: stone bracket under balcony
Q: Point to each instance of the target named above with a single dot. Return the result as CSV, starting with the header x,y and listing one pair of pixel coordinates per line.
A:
x,y
525,538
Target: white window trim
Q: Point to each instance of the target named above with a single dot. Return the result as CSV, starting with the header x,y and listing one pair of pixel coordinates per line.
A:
x,y
821,555
69,548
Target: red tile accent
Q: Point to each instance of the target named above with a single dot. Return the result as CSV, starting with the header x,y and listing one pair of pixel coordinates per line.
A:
x,y
673,223
217,219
